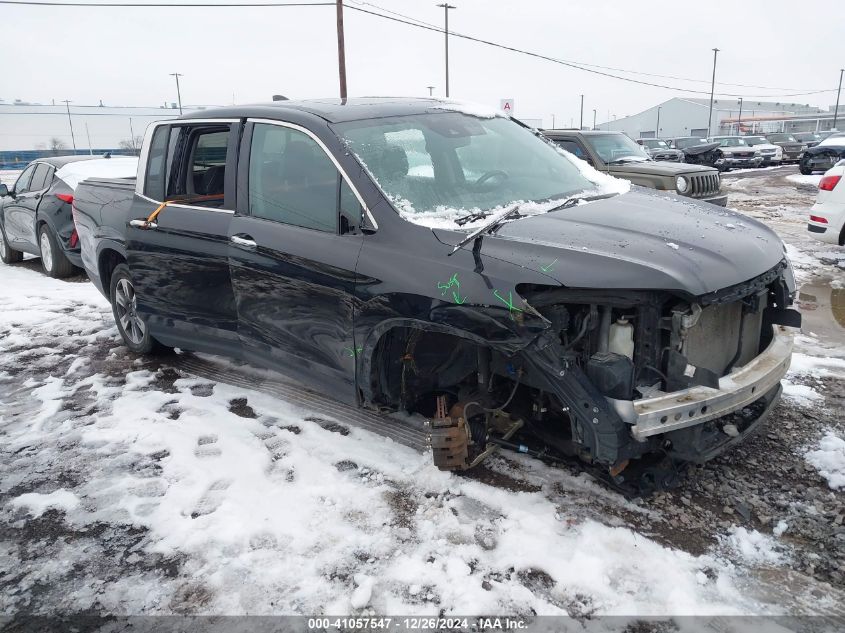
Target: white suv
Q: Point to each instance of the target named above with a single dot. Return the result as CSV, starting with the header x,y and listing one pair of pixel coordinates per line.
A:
x,y
827,217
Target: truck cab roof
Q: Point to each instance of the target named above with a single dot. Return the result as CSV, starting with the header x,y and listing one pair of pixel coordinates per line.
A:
x,y
335,110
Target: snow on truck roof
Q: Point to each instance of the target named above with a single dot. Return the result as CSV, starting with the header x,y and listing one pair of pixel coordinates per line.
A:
x,y
118,167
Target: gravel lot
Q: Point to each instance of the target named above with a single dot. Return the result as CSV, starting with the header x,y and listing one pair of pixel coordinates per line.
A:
x,y
132,486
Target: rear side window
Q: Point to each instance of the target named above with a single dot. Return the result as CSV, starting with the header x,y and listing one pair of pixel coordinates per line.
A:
x,y
206,171
292,180
42,177
156,179
22,183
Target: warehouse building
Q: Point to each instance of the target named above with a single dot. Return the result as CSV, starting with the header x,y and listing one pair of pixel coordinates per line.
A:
x,y
28,131
688,117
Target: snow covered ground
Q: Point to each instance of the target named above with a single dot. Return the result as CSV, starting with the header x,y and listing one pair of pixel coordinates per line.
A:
x,y
131,486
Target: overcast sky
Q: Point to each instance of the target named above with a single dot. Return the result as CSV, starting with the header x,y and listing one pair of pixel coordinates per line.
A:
x,y
124,55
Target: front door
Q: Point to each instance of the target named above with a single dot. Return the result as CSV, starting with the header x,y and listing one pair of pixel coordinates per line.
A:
x,y
293,250
180,268
19,212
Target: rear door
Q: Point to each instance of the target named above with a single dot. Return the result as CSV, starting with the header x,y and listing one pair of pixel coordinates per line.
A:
x,y
294,246
180,267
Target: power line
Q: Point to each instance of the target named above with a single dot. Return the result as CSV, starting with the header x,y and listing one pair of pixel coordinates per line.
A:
x,y
204,5
572,64
583,66
622,70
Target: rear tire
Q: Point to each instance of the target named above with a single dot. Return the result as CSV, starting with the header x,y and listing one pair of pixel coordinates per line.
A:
x,y
53,260
7,253
131,326
804,168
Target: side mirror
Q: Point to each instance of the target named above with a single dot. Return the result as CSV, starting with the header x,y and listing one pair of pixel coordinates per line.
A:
x,y
4,191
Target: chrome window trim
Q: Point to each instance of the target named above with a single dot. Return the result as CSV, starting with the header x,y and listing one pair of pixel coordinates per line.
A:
x,y
184,206
191,206
316,139
143,158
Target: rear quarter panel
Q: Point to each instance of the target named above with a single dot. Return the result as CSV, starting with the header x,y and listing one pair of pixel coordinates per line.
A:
x,y
102,209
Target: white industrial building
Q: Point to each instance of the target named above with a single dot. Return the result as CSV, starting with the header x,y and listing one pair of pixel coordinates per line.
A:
x,y
688,117
27,127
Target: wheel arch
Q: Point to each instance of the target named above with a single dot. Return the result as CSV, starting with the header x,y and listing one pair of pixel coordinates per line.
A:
x,y
368,370
108,259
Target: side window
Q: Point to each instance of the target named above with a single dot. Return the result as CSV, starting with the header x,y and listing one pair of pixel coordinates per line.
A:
x,y
573,148
41,178
205,173
22,183
351,212
292,180
156,178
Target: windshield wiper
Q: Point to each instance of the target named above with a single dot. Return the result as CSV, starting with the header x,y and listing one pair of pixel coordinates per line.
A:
x,y
478,234
626,159
571,202
471,217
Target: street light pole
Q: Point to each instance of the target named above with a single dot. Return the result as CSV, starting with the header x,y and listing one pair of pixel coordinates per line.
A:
x,y
430,90
594,119
70,122
712,91
581,127
446,6
838,92
739,119
553,120
341,50
178,90
657,129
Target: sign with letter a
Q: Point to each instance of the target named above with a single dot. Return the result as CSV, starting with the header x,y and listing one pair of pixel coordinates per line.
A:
x,y
506,106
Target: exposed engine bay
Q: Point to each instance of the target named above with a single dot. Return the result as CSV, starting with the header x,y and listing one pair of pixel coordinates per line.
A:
x,y
585,388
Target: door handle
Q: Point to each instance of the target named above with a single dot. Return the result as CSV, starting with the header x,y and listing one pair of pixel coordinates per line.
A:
x,y
245,241
143,224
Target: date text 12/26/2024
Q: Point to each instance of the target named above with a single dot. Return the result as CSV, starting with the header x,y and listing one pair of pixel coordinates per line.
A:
x,y
417,624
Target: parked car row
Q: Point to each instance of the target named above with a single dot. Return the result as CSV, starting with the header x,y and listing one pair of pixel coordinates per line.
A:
x,y
727,152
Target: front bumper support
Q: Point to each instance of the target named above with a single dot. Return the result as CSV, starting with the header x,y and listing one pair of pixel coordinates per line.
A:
x,y
696,405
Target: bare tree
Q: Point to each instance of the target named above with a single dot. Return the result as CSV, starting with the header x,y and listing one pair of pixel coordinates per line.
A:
x,y
57,145
132,144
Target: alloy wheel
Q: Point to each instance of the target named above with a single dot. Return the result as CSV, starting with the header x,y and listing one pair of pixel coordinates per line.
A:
x,y
46,251
126,306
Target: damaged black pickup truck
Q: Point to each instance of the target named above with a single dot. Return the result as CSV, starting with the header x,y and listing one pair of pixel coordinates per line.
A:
x,y
426,256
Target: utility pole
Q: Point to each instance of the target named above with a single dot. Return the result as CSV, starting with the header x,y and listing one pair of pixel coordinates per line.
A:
x,y
712,90
70,122
594,119
657,129
341,50
838,92
430,90
553,120
132,135
446,6
88,134
581,126
739,119
178,91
